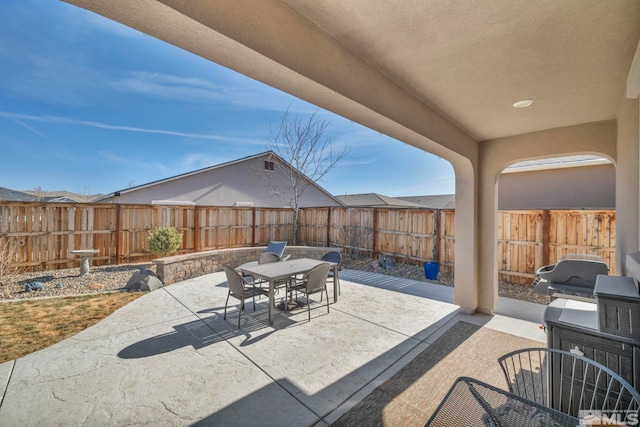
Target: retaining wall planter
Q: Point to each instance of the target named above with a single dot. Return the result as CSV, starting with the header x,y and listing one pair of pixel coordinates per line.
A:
x,y
177,268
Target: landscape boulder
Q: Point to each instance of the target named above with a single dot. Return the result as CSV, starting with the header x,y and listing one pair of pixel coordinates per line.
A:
x,y
142,281
387,263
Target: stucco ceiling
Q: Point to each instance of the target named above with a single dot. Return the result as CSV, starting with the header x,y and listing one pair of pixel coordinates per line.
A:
x,y
471,60
467,62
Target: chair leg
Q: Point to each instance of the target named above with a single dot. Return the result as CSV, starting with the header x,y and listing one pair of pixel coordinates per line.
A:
x,y
225,306
308,308
240,312
327,292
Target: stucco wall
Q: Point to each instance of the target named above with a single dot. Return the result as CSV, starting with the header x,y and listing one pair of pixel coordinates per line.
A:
x,y
589,187
627,178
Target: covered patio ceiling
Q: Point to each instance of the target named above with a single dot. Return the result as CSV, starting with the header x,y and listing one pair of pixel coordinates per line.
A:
x,y
467,62
442,76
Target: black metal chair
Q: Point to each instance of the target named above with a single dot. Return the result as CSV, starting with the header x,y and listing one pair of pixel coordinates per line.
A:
x,y
334,256
240,288
568,382
315,280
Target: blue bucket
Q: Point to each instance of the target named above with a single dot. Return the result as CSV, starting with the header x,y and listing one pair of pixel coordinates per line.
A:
x,y
431,270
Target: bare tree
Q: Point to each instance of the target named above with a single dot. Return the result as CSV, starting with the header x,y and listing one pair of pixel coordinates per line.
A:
x,y
8,253
303,142
39,193
356,237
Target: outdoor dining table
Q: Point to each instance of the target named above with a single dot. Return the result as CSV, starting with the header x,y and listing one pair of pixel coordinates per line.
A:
x,y
278,271
471,402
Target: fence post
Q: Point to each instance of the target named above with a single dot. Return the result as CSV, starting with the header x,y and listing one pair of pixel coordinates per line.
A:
x,y
118,237
375,233
546,219
253,227
329,227
196,229
437,212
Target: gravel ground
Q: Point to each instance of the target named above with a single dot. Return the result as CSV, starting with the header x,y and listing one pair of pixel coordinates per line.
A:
x,y
66,282
416,272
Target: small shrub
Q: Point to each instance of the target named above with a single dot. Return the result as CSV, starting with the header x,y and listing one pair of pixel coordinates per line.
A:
x,y
8,267
164,241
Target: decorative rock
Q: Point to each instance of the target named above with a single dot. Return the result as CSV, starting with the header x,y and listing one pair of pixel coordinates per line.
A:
x,y
33,286
387,263
142,281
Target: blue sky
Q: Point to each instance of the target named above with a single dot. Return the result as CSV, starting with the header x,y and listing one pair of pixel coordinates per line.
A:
x,y
91,106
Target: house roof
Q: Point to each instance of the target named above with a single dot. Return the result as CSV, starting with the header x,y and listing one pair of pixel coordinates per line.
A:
x,y
62,196
7,194
438,201
207,169
375,200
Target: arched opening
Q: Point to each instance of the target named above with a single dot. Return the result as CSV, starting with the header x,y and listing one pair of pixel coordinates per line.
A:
x,y
548,209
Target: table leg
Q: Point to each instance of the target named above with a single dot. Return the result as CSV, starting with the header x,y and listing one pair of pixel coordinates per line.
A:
x,y
272,300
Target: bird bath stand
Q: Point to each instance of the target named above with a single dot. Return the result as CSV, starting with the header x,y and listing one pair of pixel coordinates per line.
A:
x,y
85,254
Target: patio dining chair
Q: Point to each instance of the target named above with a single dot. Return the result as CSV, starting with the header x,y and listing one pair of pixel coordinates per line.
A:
x,y
334,256
240,288
568,382
314,281
277,248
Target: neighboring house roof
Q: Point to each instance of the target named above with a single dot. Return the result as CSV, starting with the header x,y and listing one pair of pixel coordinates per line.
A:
x,y
438,201
61,196
63,199
269,154
375,200
9,195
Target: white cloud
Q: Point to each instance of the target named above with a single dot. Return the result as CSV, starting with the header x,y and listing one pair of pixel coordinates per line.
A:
x,y
94,124
230,88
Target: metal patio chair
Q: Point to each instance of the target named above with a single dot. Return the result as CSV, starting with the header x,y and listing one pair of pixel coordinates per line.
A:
x,y
334,256
315,280
568,382
240,288
277,248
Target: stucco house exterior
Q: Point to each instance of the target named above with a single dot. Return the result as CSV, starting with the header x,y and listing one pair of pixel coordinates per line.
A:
x,y
577,182
237,183
483,85
574,182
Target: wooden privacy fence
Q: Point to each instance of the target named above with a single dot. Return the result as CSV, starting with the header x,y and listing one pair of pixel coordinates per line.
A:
x,y
44,234
533,238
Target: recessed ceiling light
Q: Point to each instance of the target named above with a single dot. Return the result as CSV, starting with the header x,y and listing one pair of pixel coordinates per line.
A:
x,y
523,104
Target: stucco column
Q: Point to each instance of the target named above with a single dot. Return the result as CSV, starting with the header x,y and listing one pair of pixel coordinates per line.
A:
x,y
487,235
467,245
627,182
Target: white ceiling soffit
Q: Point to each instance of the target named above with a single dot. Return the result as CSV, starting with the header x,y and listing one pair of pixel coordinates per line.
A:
x,y
469,61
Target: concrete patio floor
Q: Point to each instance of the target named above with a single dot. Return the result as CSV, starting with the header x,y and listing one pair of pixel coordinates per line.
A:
x,y
169,358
